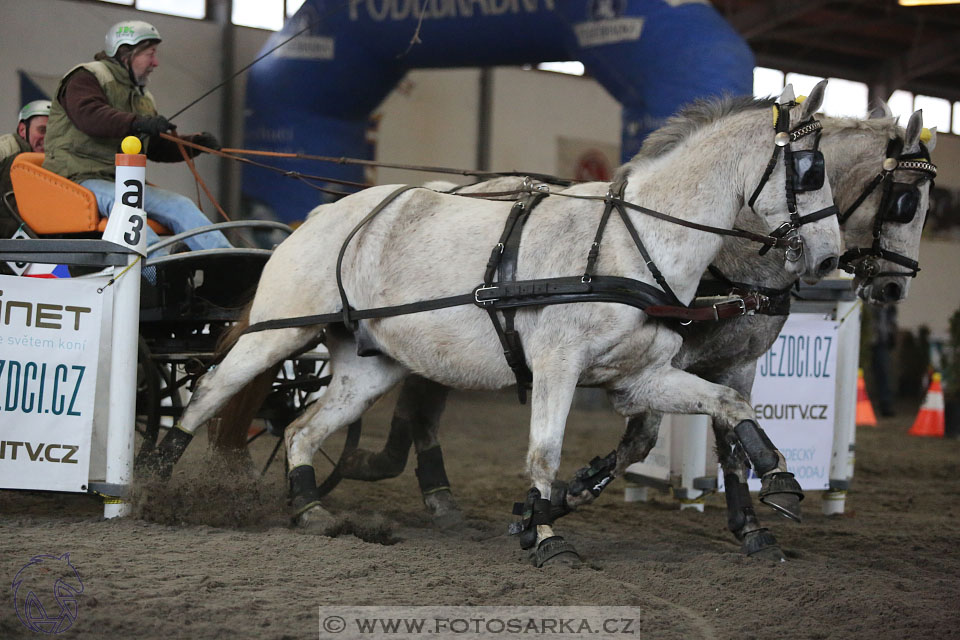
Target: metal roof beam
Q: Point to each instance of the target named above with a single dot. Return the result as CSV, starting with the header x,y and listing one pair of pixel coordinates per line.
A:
x,y
765,16
919,61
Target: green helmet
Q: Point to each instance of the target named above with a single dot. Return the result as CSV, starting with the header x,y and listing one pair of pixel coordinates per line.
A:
x,y
129,32
34,108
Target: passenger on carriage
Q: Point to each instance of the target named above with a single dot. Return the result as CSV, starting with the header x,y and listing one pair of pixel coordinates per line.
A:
x,y
99,103
31,129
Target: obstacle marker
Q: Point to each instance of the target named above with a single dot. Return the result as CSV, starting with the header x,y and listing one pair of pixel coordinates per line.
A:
x,y
930,420
865,415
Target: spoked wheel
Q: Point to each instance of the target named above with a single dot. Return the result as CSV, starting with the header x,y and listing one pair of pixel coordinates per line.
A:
x,y
157,396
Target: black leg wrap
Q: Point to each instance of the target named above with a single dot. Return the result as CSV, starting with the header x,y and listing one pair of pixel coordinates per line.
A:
x,y
739,506
431,473
303,488
558,500
756,444
169,452
782,492
595,477
534,511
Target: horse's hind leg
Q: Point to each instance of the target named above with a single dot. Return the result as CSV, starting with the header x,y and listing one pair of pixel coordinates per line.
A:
x,y
253,354
673,391
356,384
416,420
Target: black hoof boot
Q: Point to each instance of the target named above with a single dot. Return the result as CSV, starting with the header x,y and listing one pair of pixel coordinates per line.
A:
x,y
555,551
781,491
761,544
159,462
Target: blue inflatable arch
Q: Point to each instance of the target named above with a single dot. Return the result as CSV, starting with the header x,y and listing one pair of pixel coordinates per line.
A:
x,y
316,93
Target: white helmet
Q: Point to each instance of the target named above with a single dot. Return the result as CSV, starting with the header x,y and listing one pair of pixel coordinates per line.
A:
x,y
129,32
34,108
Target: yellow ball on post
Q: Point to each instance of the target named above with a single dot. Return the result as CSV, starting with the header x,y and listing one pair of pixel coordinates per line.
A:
x,y
131,145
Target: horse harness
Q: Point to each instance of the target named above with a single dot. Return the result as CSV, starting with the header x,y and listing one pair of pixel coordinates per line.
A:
x,y
898,204
501,292
805,171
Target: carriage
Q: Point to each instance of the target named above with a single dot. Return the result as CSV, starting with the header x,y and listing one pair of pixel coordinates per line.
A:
x,y
187,303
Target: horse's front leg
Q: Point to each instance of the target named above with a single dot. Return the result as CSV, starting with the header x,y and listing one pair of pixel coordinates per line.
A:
x,y
670,390
637,441
742,520
554,382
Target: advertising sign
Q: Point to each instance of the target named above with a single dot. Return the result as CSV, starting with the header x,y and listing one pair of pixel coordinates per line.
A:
x,y
794,398
50,337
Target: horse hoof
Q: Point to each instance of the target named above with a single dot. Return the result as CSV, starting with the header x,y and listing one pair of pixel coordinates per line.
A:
x,y
762,545
370,466
782,493
556,551
315,519
444,509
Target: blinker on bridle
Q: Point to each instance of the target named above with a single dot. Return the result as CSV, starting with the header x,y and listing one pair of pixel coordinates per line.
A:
x,y
805,171
898,204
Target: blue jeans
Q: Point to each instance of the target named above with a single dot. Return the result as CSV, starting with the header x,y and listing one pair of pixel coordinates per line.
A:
x,y
170,209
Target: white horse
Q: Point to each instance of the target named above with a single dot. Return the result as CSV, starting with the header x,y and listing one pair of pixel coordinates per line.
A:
x,y
883,228
427,245
882,224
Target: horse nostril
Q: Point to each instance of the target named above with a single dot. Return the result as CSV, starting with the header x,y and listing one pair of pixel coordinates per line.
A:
x,y
891,292
827,266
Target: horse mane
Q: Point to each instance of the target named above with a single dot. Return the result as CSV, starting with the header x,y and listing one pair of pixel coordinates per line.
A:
x,y
690,119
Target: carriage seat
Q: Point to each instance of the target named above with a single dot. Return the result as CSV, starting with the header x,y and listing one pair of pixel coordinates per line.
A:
x,y
51,204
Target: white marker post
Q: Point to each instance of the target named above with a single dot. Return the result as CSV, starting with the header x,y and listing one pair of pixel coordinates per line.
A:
x,y
127,227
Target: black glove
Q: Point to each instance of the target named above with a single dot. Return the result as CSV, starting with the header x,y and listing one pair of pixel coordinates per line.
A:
x,y
152,125
206,139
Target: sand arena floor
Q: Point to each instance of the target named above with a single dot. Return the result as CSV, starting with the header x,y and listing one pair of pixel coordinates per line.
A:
x,y
211,554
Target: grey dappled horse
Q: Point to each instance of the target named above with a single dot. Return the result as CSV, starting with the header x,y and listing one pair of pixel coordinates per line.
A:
x,y
857,154
425,244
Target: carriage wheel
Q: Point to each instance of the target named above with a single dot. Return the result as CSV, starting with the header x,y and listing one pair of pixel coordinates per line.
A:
x,y
148,397
155,383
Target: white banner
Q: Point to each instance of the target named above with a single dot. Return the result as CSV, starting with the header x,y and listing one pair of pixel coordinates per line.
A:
x,y
794,397
50,337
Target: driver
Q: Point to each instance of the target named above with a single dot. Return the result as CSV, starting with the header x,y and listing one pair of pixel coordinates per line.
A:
x,y
98,104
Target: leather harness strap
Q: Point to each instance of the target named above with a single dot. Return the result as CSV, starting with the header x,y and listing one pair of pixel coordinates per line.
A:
x,y
503,261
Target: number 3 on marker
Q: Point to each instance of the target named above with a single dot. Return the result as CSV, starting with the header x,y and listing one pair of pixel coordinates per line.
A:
x,y
132,237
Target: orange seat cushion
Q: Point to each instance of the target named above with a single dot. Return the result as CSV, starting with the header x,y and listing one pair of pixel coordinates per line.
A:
x,y
51,204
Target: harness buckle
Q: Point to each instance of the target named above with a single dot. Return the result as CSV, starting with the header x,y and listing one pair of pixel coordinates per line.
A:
x,y
739,302
487,302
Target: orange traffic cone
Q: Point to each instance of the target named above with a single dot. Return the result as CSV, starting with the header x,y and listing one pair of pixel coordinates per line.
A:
x,y
865,415
929,420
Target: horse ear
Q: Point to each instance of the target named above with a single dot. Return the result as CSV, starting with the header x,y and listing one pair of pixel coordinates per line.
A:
x,y
813,102
787,95
880,110
911,140
932,142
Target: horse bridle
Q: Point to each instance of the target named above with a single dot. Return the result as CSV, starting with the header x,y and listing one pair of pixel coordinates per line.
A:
x,y
898,204
805,172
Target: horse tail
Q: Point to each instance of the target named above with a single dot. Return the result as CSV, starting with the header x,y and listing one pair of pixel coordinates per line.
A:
x,y
228,429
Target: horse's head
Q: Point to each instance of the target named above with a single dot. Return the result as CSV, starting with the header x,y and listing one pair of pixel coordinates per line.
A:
x,y
883,202
792,192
